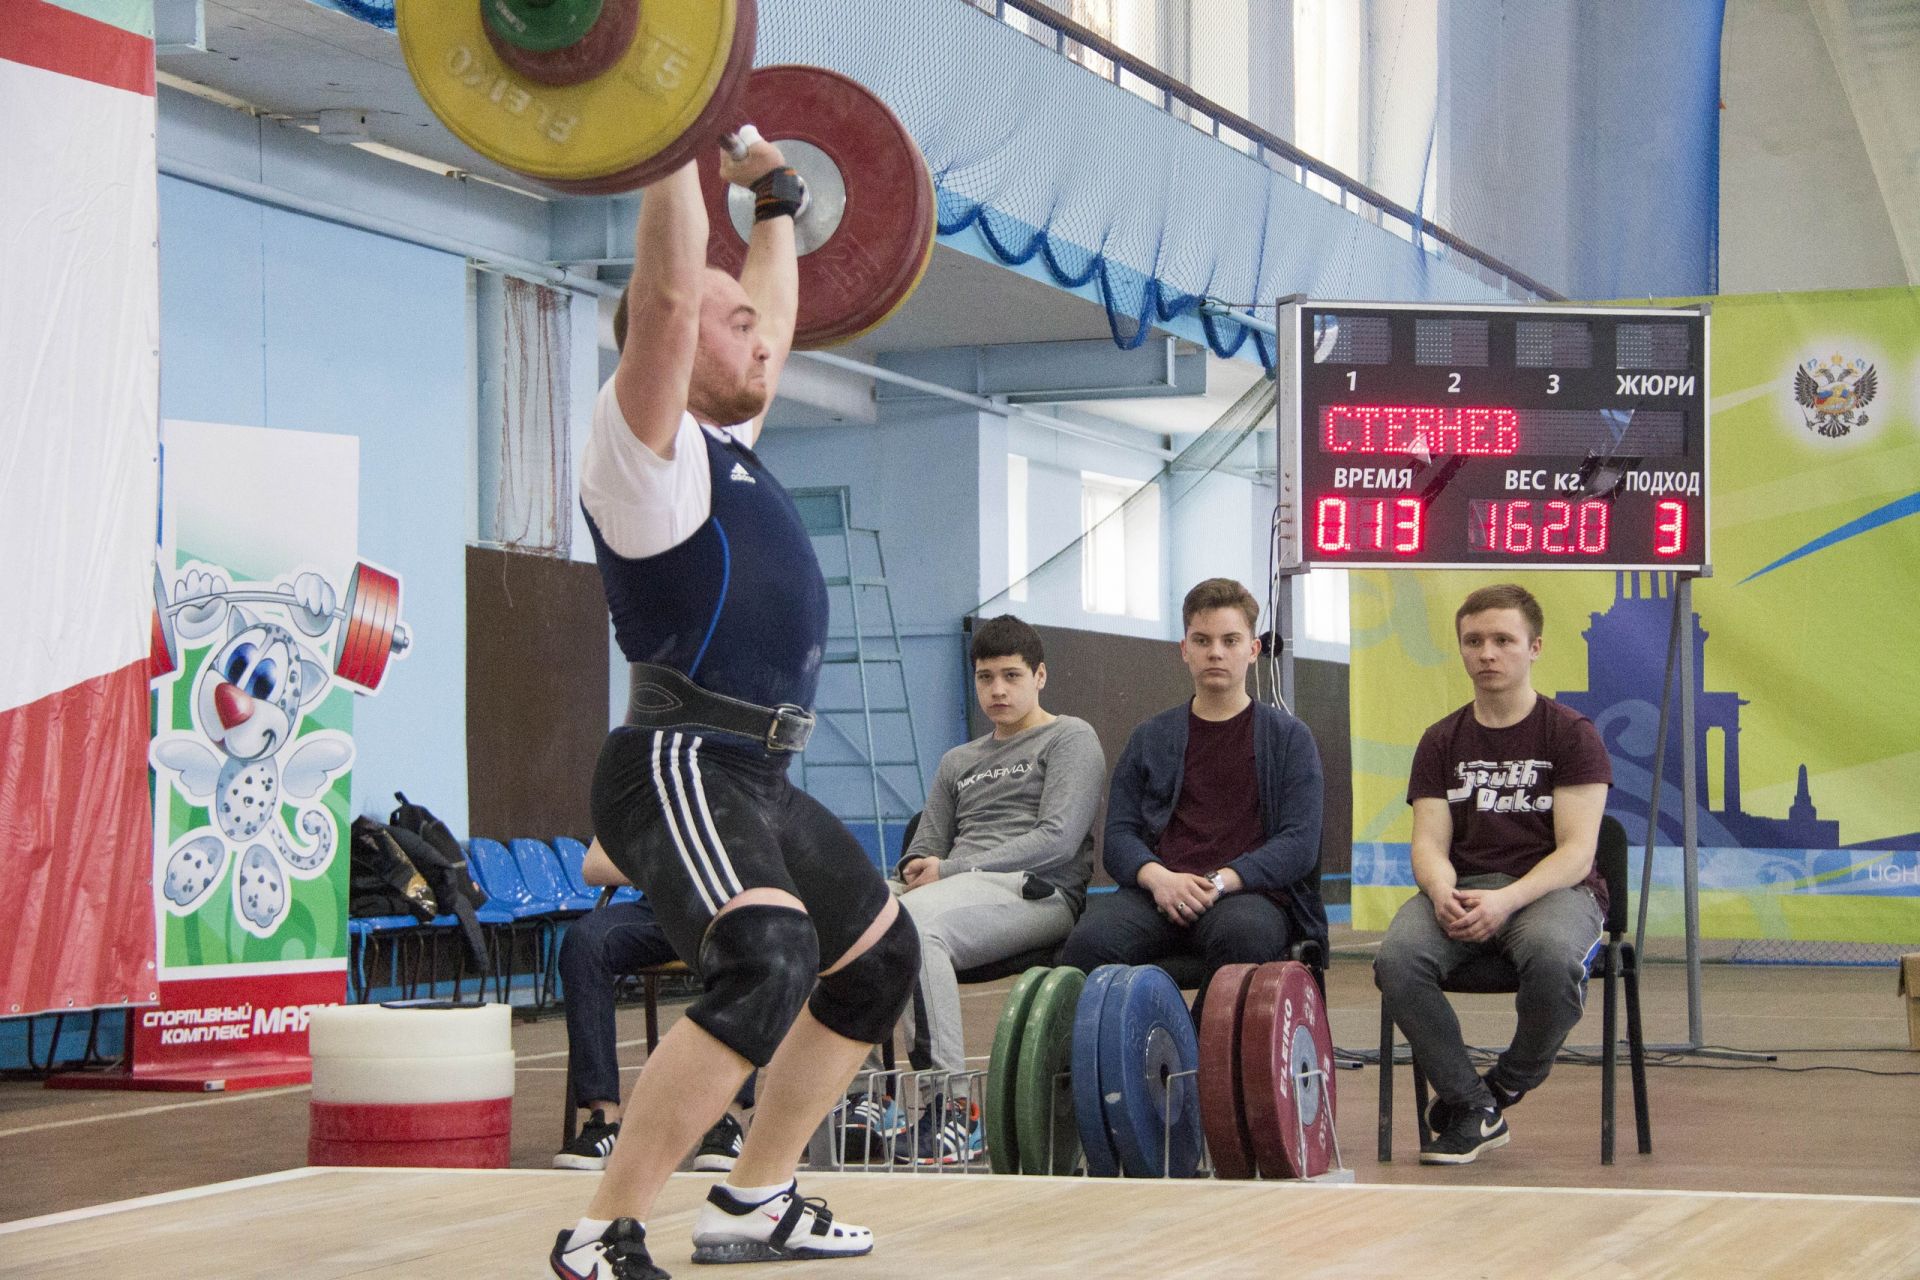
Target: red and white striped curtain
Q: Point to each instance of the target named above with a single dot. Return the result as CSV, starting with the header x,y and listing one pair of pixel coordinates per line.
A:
x,y
79,412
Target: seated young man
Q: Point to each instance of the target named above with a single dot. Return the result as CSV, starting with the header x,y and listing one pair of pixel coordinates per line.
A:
x,y
596,951
1000,861
1507,796
1213,816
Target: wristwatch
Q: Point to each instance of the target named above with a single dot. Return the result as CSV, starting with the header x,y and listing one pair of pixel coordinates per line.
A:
x,y
1219,882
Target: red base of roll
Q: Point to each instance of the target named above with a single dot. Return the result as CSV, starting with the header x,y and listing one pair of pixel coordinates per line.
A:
x,y
452,1153
410,1121
441,1135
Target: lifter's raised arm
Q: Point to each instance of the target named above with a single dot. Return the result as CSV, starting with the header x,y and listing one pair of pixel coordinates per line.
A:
x,y
771,272
663,308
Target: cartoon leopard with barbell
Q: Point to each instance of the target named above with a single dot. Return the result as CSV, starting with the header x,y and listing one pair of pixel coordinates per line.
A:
x,y
242,757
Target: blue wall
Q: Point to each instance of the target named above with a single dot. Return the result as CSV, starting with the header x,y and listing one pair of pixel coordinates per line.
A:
x,y
272,319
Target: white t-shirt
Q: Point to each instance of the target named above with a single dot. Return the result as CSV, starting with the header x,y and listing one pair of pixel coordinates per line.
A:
x,y
646,504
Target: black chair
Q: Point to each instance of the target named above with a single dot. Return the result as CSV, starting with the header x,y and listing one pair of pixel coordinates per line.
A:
x,y
1493,974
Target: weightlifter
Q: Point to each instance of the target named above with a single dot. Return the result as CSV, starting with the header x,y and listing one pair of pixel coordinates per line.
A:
x,y
718,603
1507,795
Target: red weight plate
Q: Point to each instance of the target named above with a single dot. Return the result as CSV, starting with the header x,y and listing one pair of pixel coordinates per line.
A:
x,y
1284,1033
877,254
602,46
355,611
702,137
379,646
1220,1112
367,642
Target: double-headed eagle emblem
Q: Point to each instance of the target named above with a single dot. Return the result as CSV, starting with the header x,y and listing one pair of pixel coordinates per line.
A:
x,y
1834,393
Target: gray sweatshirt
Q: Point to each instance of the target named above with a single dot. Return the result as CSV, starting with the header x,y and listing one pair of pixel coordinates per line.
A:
x,y
1023,804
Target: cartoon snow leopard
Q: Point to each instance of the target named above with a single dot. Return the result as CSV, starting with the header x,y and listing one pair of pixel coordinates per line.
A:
x,y
247,704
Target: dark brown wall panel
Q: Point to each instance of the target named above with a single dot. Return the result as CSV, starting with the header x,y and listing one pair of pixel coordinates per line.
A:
x,y
536,693
1114,682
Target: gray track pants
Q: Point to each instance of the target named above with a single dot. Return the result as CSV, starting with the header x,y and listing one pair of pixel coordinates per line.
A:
x,y
1547,941
964,920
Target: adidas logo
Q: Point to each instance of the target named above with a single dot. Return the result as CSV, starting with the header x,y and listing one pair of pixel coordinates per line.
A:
x,y
740,475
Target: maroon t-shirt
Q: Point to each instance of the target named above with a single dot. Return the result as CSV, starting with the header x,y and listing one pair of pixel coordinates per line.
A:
x,y
1217,817
1498,784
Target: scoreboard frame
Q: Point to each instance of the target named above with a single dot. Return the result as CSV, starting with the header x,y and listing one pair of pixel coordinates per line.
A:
x,y
1482,415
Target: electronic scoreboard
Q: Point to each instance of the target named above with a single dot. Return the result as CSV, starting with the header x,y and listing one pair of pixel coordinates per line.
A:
x,y
1475,436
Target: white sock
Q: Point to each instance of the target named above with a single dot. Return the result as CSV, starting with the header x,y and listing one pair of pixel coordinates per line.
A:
x,y
588,1230
754,1195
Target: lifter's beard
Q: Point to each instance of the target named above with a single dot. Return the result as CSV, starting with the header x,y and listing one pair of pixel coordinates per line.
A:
x,y
742,402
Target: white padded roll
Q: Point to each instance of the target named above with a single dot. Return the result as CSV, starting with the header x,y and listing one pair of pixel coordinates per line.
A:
x,y
375,1031
472,1079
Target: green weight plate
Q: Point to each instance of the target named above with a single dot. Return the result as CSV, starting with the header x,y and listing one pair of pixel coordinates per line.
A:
x,y
1003,1067
1043,1094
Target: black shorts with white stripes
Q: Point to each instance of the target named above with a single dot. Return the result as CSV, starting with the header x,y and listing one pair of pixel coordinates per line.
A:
x,y
693,824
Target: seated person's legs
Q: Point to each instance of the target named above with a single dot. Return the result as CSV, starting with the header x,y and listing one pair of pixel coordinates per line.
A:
x,y
967,919
1415,957
1239,928
595,951
1548,941
1122,927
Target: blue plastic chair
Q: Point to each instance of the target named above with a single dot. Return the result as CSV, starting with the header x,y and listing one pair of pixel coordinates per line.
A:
x,y
573,856
363,935
511,906
546,879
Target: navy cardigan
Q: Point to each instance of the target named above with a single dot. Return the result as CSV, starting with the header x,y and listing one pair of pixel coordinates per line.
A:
x,y
1146,787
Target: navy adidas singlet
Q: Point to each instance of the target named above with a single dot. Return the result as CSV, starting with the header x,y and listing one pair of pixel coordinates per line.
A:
x,y
740,607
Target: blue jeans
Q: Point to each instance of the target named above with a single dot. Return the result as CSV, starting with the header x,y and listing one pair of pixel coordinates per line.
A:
x,y
1547,942
597,951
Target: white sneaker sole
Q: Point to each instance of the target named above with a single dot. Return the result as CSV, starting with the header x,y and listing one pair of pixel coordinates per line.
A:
x,y
585,1164
713,1164
1465,1157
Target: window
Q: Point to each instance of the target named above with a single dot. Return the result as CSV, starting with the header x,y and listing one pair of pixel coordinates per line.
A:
x,y
1326,79
1120,546
1017,527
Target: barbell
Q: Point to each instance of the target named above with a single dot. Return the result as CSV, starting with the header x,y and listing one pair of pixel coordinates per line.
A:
x,y
370,630
596,96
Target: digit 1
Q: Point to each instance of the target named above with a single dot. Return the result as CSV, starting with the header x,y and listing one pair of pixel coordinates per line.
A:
x,y
1670,529
1353,379
1379,525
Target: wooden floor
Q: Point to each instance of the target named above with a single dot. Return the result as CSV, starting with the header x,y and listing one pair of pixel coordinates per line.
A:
x,y
1717,1126
336,1223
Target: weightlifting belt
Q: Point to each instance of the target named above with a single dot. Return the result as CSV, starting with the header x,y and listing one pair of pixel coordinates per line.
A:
x,y
662,698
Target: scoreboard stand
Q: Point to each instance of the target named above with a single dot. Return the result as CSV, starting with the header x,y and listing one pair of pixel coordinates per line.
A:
x,y
1502,437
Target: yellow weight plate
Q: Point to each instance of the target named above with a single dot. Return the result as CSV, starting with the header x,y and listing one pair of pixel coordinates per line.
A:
x,y
617,121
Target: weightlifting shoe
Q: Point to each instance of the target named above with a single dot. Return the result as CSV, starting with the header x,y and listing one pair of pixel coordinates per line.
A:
x,y
785,1227
619,1254
1471,1131
721,1147
591,1146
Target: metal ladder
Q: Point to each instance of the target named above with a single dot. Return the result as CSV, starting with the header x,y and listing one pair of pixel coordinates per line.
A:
x,y
865,718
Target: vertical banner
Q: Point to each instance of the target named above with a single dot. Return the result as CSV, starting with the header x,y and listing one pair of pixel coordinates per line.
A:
x,y
1807,683
264,630
79,410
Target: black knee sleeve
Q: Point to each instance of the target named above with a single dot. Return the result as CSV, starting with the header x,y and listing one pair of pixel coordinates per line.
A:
x,y
757,963
863,999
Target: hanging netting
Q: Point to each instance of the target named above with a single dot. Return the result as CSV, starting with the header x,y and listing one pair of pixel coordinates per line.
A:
x,y
533,499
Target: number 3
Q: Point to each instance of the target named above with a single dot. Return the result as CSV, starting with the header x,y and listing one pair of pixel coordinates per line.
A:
x,y
1553,384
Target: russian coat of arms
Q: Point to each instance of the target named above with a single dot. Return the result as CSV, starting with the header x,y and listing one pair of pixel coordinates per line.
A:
x,y
1833,393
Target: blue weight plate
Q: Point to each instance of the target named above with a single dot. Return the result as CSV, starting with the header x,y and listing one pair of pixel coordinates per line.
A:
x,y
1146,1038
1088,1109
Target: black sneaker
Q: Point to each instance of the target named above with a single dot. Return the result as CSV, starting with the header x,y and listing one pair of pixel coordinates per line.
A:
x,y
619,1254
1471,1132
721,1147
591,1146
873,1122
1504,1099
